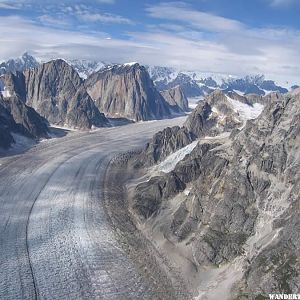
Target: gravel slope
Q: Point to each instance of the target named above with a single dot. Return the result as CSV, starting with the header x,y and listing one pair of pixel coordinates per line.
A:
x,y
55,238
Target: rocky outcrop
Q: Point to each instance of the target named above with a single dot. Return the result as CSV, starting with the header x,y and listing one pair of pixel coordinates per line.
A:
x,y
213,116
13,84
127,91
56,91
176,98
17,117
232,202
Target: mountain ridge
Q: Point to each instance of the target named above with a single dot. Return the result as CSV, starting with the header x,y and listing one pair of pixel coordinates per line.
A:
x,y
226,213
193,83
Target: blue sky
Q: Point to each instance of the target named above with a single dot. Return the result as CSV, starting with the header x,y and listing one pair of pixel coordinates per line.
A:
x,y
222,36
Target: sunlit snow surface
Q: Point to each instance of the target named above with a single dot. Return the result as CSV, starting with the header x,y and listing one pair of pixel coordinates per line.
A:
x,y
129,64
172,160
247,112
6,94
4,91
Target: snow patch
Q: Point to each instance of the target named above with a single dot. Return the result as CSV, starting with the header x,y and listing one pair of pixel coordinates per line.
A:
x,y
239,92
5,92
130,64
172,160
246,111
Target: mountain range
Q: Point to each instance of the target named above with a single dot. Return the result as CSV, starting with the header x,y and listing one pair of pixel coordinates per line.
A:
x,y
193,83
56,93
199,84
219,197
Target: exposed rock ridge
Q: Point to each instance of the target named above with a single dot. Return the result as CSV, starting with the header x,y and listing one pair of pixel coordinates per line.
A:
x,y
127,91
176,98
17,117
233,203
56,91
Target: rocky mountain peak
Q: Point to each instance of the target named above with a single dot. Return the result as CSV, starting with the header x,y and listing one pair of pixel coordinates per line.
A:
x,y
176,98
26,61
56,91
127,91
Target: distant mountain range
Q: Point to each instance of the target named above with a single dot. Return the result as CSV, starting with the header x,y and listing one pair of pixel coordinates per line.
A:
x,y
192,83
197,84
26,61
84,94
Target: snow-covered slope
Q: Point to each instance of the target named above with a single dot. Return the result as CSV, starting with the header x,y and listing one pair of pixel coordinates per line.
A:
x,y
247,112
86,67
199,84
172,160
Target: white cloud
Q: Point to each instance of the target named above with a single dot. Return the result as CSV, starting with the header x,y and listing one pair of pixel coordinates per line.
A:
x,y
178,11
106,1
188,44
11,4
17,37
54,21
103,18
85,13
282,3
18,4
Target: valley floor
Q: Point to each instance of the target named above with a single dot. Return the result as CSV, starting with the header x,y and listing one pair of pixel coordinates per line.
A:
x,y
56,240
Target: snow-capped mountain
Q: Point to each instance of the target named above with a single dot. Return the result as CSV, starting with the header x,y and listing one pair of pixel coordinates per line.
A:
x,y
26,61
192,83
197,84
86,67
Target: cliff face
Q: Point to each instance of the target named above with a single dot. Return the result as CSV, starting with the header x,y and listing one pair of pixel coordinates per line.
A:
x,y
7,125
231,202
17,117
176,98
56,91
127,91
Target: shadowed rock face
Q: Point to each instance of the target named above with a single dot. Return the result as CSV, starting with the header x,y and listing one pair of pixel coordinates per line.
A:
x,y
127,91
56,91
7,125
15,84
17,117
176,98
241,211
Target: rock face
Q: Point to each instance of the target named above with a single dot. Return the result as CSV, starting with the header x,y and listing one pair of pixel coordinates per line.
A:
x,y
56,91
7,126
127,91
232,202
17,117
216,115
176,98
